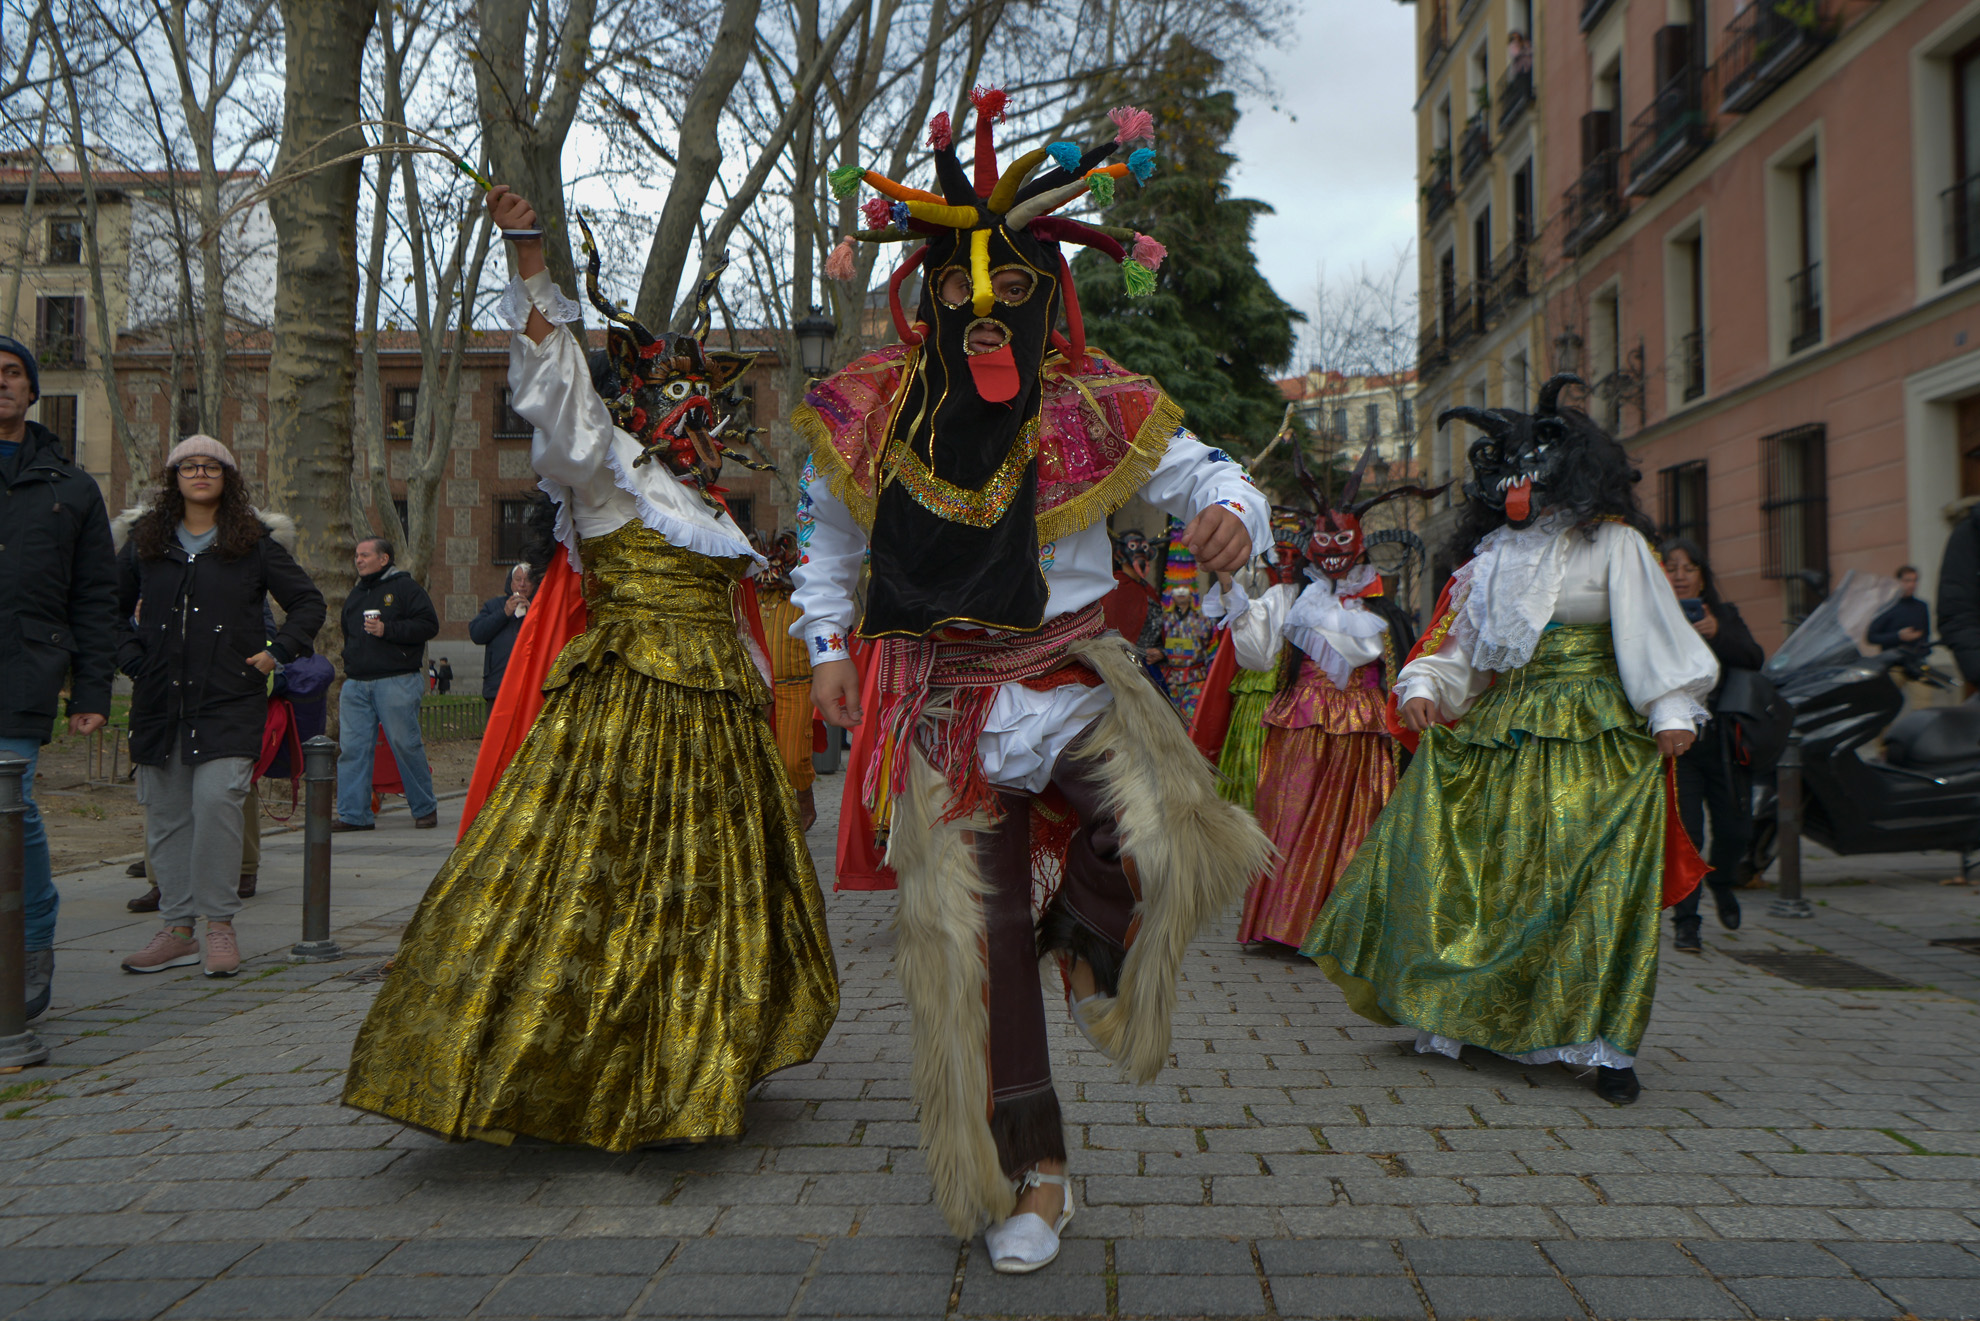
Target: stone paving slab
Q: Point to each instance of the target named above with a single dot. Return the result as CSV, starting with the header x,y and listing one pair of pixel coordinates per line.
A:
x,y
1796,1153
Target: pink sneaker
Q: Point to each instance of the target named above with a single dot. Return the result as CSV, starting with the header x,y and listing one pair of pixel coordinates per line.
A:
x,y
223,951
166,950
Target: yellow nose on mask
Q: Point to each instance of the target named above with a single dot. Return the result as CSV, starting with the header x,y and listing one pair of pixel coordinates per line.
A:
x,y
983,297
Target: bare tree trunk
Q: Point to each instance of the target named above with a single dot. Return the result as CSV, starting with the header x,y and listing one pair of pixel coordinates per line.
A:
x,y
25,231
698,157
524,126
106,330
310,369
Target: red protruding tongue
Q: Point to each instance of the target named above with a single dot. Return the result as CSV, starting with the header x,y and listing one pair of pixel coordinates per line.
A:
x,y
1519,501
996,374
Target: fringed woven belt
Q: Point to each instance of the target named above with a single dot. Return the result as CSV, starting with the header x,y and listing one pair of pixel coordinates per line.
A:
x,y
967,667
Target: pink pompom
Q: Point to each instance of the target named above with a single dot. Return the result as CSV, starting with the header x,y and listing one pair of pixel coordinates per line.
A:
x,y
839,266
878,212
1148,252
1132,124
938,131
990,103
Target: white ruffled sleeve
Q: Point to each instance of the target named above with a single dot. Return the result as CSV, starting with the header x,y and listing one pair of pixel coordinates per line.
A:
x,y
1445,676
832,551
1667,669
1255,634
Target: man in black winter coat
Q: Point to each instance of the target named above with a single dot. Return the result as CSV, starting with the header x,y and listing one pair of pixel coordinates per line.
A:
x,y
57,617
1959,596
388,620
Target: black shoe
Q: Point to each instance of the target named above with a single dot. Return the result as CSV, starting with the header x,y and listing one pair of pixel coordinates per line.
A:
x,y
1687,935
427,822
144,903
249,880
1617,1085
135,870
339,826
1727,899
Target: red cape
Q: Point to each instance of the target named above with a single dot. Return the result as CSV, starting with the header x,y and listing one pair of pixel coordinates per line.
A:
x,y
556,615
860,862
1213,708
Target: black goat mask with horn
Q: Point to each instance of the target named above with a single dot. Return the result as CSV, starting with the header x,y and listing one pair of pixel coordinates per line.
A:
x,y
1515,463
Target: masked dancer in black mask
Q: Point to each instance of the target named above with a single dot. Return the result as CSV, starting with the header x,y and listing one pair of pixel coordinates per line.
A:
x,y
1507,897
977,461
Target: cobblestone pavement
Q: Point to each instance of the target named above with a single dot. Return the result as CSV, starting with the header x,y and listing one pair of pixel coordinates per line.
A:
x,y
1797,1152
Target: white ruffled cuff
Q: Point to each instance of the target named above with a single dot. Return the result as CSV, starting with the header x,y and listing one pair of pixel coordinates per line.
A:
x,y
541,292
1219,605
1678,710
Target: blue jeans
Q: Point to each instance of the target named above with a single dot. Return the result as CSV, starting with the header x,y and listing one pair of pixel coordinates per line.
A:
x,y
364,707
38,889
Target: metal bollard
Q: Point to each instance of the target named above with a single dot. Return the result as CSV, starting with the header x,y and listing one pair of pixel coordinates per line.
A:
x,y
320,786
1787,817
19,1047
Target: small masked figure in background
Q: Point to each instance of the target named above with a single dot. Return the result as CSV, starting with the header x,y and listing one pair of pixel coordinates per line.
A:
x,y
1508,897
1331,640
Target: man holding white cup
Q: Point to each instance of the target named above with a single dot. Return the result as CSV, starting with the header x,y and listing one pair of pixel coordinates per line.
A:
x,y
388,619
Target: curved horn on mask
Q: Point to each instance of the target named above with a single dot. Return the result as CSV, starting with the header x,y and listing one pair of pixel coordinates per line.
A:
x,y
1354,478
1496,425
1313,490
599,300
704,296
1550,394
1397,493
1398,536
1012,179
1027,211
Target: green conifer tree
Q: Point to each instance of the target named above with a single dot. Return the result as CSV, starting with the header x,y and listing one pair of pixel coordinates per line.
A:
x,y
1214,332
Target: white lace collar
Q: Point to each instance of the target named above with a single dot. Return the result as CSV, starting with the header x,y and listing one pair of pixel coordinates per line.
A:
x,y
1505,595
1326,607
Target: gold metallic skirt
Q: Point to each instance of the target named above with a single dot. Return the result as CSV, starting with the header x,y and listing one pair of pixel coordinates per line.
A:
x,y
1508,895
631,934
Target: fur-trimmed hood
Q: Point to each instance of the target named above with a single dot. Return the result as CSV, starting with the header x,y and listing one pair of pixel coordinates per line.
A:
x,y
280,526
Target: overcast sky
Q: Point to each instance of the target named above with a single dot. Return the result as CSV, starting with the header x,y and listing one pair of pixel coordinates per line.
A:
x,y
1335,153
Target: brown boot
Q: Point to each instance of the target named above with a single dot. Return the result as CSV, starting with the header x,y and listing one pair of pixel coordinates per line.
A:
x,y
807,809
146,902
248,880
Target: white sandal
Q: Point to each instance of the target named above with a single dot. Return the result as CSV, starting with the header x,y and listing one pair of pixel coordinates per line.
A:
x,y
1025,1243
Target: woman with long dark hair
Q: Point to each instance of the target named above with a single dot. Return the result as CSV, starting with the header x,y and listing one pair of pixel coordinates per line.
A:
x,y
1710,780
1508,896
190,586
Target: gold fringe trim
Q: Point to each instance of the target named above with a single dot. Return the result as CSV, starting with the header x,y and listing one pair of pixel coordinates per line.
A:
x,y
1145,452
838,474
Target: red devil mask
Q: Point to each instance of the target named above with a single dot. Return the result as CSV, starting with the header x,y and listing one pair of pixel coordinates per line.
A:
x,y
1336,545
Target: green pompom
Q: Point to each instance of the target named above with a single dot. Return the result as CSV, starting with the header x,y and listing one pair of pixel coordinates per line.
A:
x,y
1102,188
1140,281
846,180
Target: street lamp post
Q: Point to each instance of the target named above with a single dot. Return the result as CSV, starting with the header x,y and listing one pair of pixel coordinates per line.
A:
x,y
815,335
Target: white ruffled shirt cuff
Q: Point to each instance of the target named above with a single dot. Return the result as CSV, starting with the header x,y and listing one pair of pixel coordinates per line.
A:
x,y
1679,710
541,292
1219,605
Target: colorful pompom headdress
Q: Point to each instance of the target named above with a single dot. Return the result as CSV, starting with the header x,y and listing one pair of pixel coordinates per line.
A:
x,y
975,209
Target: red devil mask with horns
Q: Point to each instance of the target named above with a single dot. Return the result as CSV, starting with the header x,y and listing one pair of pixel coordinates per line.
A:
x,y
1337,543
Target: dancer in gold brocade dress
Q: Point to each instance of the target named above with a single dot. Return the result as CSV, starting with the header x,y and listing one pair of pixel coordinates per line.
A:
x,y
630,934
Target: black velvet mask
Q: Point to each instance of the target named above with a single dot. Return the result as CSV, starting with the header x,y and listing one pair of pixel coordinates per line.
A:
x,y
955,536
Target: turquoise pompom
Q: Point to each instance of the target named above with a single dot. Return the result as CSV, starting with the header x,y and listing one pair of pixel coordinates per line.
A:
x,y
1065,155
1142,162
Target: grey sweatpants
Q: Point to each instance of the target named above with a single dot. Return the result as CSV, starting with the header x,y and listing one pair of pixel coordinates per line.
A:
x,y
192,829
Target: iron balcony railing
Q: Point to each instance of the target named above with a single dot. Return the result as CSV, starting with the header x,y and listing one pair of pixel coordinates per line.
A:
x,y
1805,307
1592,11
1431,355
1766,45
1511,278
1436,42
1594,204
1437,192
1515,95
1475,147
1960,205
1691,363
1670,132
1464,318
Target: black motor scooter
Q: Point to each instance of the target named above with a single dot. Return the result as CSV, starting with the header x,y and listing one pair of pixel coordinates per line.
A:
x,y
1922,795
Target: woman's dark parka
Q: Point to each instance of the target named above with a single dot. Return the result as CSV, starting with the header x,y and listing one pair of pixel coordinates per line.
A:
x,y
199,619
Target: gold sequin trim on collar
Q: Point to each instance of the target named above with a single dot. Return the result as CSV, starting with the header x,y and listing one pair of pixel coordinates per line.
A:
x,y
979,508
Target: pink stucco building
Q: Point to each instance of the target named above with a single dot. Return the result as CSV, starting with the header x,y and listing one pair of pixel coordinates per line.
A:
x,y
1757,233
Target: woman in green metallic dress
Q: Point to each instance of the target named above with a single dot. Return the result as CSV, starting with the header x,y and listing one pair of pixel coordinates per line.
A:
x,y
1508,896
630,933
